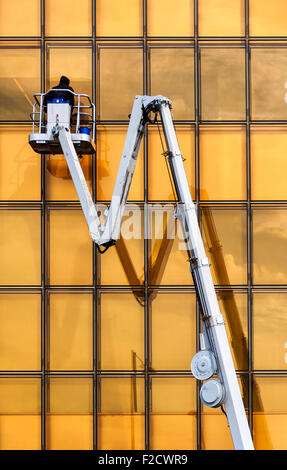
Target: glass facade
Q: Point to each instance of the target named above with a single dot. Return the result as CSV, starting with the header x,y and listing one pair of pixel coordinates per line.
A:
x,y
95,350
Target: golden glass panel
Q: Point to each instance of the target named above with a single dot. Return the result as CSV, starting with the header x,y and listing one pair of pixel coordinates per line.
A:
x,y
70,248
215,432
158,166
168,255
20,413
269,320
221,18
69,419
20,334
268,83
20,247
268,18
64,19
70,330
233,307
122,18
268,163
121,413
172,75
59,183
222,163
110,144
20,167
77,62
173,323
19,80
124,264
222,83
270,425
269,246
173,413
120,80
224,236
167,18
20,18
122,332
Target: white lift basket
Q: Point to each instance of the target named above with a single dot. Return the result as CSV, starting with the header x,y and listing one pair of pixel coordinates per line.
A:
x,y
214,357
80,121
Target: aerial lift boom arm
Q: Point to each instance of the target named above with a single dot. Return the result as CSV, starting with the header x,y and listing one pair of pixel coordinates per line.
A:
x,y
215,355
108,233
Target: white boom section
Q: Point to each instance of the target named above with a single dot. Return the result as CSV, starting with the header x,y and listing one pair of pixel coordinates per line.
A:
x,y
225,390
126,169
109,232
88,206
212,317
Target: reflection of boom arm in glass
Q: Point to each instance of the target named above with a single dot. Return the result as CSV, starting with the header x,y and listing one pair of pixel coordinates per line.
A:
x,y
130,271
215,354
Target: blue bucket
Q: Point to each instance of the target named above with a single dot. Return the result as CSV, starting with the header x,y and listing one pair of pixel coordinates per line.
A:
x,y
85,130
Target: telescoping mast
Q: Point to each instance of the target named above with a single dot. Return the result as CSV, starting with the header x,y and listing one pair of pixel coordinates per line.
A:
x,y
52,135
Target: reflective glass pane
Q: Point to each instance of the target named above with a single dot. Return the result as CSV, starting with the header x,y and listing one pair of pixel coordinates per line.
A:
x,y
268,163
20,413
70,248
20,247
230,18
233,307
270,425
224,235
20,174
173,413
222,163
172,75
20,18
19,80
215,432
124,264
120,80
70,329
222,83
269,246
270,324
173,326
268,68
69,419
110,144
122,332
168,253
167,18
78,67
20,333
59,183
66,19
114,18
267,18
121,413
161,189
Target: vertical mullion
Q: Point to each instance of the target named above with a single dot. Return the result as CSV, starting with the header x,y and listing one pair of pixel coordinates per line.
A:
x,y
95,265
43,251
249,213
146,240
95,369
197,192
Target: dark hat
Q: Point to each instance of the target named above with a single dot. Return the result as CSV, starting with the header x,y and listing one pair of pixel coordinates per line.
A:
x,y
64,80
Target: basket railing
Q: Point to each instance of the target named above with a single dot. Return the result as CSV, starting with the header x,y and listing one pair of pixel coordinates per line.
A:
x,y
83,113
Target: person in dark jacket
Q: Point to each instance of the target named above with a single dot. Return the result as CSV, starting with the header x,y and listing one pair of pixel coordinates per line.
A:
x,y
64,84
